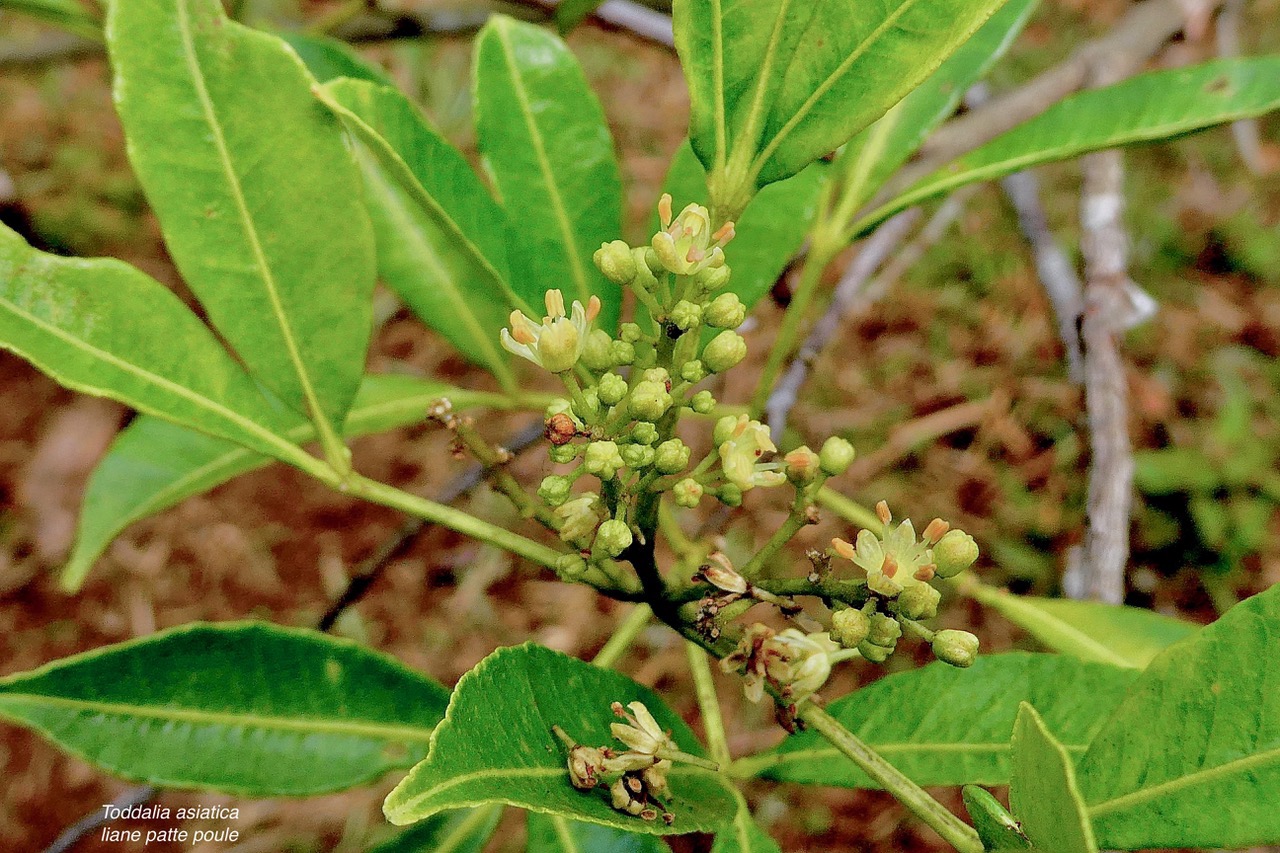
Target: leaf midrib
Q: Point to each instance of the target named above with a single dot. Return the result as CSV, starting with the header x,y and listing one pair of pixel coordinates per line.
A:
x,y
909,749
1142,795
305,725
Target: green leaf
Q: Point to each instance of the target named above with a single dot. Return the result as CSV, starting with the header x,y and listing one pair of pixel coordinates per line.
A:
x,y
769,232
496,746
946,726
996,827
570,13
104,328
1191,758
872,156
328,59
744,835
65,14
1157,105
1043,792
441,238
257,196
153,464
461,831
550,833
1106,633
545,141
241,707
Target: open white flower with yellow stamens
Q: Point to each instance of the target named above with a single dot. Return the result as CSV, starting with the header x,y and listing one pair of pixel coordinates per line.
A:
x,y
641,733
744,442
687,245
557,343
895,560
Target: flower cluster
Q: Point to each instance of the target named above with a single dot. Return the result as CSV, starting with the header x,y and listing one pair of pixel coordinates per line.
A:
x,y
794,664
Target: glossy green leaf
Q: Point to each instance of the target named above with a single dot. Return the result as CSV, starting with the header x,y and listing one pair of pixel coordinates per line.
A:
x,y
570,13
770,231
257,196
441,238
496,746
550,833
545,141
104,328
241,707
1043,792
65,14
946,726
1191,758
1157,105
1106,633
461,831
744,835
328,59
153,464
871,157
996,827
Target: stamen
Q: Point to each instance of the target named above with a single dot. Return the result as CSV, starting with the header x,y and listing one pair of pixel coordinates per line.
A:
x,y
555,304
843,548
724,234
890,567
664,210
882,512
936,530
593,308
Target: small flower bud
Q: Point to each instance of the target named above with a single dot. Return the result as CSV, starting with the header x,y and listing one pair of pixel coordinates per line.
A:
x,y
954,553
688,493
588,406
558,405
836,456
725,350
724,430
649,400
874,653
616,262
613,537
702,402
630,333
672,457
919,601
563,453
611,389
561,429
730,495
644,432
726,311
597,352
958,648
647,256
850,627
585,764
638,456
570,567
802,466
713,278
621,352
685,315
693,371
884,631
657,374
603,459
555,489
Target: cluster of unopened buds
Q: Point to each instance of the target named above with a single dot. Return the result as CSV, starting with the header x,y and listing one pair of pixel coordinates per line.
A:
x,y
637,776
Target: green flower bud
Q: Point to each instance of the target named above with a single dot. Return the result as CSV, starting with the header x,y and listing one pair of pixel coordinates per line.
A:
x,y
702,402
647,256
802,466
644,432
919,601
724,429
958,648
611,389
693,371
850,627
597,352
570,567
685,315
726,311
588,407
621,352
564,453
649,400
730,495
725,350
657,374
612,538
713,278
638,456
558,406
579,519
884,631
688,493
616,262
630,333
955,552
603,459
555,489
874,653
672,457
836,456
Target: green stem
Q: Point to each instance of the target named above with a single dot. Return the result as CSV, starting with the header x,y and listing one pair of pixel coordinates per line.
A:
x,y
704,687
794,524
850,511
623,636
957,833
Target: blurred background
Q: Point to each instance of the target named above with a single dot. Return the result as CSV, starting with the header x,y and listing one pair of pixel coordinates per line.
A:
x,y
951,385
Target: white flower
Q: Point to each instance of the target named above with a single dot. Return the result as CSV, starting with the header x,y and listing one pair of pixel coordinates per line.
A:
x,y
643,734
557,343
687,245
895,559
797,664
739,454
